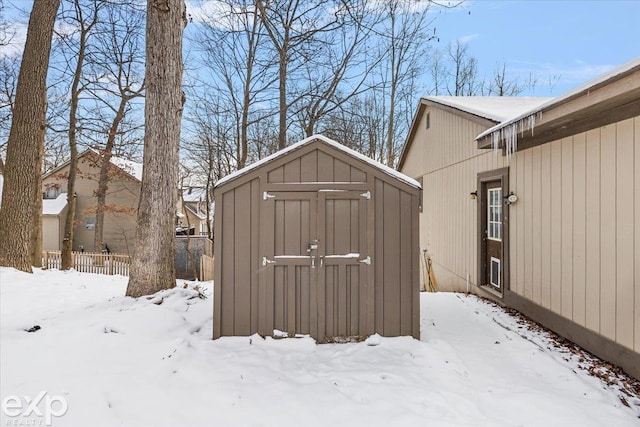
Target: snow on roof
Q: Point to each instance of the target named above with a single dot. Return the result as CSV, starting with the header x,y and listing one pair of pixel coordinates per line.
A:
x,y
129,166
392,172
54,206
194,194
567,95
496,108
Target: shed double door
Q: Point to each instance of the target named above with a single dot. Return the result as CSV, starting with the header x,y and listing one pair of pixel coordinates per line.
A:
x,y
314,259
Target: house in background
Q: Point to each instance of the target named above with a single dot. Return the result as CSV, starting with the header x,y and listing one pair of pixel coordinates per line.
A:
x,y
125,180
54,213
540,212
192,211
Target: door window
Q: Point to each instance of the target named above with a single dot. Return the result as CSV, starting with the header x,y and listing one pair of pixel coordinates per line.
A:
x,y
494,214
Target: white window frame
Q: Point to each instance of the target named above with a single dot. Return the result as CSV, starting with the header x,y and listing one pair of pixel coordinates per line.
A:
x,y
490,221
494,261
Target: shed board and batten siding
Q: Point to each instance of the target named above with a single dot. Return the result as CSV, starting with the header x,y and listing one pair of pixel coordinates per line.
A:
x,y
316,188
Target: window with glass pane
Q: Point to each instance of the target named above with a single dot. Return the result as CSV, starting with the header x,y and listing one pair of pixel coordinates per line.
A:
x,y
494,214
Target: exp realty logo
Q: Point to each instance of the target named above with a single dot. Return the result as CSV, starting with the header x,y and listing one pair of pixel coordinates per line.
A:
x,y
37,411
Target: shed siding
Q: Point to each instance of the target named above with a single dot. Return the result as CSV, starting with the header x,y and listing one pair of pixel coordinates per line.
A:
x,y
259,298
589,203
239,303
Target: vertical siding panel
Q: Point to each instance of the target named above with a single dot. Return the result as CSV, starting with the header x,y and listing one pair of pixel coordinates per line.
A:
x,y
528,224
405,279
579,231
536,230
556,229
341,171
608,232
309,167
592,212
255,253
391,259
292,171
242,281
378,263
567,228
636,233
624,240
520,226
545,221
325,167
276,175
228,248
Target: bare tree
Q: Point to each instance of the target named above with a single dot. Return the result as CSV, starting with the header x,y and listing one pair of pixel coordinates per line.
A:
x,y
501,85
340,68
84,20
20,212
234,53
464,72
153,263
295,27
117,84
404,37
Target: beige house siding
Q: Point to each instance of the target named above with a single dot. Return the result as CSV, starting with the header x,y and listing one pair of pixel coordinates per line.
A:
x,y
446,158
119,223
53,231
575,236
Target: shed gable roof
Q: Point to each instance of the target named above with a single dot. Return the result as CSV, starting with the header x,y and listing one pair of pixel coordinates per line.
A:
x,y
329,142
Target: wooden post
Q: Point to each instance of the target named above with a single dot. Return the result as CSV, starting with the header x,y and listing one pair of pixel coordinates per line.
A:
x,y
110,261
46,260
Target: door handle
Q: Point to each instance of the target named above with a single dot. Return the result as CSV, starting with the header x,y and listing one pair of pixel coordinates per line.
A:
x,y
367,260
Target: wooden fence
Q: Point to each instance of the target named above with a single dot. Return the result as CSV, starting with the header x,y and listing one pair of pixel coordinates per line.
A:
x,y
206,268
88,262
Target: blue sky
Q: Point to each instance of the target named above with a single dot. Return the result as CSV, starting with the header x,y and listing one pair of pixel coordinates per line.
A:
x,y
575,40
567,42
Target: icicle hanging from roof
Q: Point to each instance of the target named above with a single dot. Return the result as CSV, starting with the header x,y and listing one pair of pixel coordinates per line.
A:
x,y
509,133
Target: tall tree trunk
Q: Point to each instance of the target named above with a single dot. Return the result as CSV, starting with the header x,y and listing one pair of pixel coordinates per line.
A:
x,y
103,180
26,141
36,230
67,241
153,263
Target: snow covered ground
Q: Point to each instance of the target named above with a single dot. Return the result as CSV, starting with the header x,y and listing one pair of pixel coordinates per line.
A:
x,y
115,360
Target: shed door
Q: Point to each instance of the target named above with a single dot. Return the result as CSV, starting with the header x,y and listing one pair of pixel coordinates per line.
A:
x,y
313,259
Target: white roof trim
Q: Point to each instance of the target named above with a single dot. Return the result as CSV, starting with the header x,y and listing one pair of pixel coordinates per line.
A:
x,y
54,206
555,101
392,172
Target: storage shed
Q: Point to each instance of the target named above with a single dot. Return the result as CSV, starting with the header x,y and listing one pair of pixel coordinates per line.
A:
x,y
317,239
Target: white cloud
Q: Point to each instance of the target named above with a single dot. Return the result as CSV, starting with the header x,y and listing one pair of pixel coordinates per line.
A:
x,y
466,39
578,71
17,35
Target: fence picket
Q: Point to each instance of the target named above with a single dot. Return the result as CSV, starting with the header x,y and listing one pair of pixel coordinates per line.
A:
x,y
90,262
